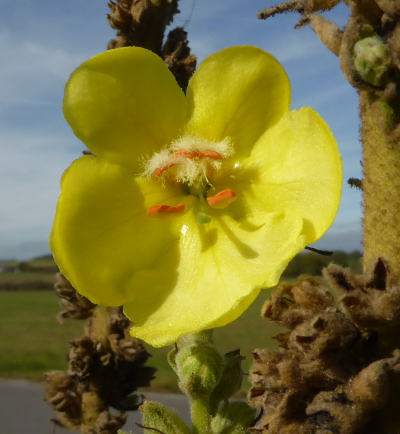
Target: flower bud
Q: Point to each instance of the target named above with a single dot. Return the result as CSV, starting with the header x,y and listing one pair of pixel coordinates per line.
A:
x,y
199,367
158,417
372,59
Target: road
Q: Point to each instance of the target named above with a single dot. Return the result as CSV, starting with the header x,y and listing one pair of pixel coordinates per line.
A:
x,y
22,410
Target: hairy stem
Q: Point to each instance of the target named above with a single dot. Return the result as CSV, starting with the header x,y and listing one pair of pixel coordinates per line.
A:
x,y
201,417
381,185
92,404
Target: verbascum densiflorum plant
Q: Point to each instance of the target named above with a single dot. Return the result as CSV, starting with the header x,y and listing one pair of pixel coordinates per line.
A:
x,y
189,204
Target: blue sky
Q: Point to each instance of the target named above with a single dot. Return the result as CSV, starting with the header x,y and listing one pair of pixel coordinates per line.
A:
x,y
43,41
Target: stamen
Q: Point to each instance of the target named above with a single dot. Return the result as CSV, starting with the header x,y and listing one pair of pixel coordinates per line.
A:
x,y
222,199
185,153
159,171
210,154
188,154
165,209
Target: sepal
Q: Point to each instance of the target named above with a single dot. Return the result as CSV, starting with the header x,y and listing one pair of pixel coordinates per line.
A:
x,y
232,418
231,378
158,417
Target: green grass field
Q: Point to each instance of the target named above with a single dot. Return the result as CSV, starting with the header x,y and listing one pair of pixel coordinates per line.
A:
x,y
33,342
26,277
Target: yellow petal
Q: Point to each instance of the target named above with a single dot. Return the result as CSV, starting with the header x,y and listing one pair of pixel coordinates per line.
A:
x,y
295,167
237,92
222,267
124,104
102,236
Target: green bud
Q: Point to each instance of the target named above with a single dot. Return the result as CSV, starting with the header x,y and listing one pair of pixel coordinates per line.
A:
x,y
231,379
199,368
232,418
161,418
372,59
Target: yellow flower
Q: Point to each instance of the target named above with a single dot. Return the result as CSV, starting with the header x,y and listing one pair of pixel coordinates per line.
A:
x,y
192,203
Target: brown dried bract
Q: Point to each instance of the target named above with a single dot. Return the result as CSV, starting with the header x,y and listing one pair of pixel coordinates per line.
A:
x,y
74,305
370,302
107,423
335,371
104,371
62,394
176,54
140,22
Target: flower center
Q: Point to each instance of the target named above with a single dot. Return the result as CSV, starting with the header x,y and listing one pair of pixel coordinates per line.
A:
x,y
193,162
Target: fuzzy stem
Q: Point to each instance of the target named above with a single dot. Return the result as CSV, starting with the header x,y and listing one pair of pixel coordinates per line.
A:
x,y
201,418
381,185
92,403
98,326
92,406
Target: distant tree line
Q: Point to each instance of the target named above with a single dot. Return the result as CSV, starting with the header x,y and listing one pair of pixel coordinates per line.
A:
x,y
313,263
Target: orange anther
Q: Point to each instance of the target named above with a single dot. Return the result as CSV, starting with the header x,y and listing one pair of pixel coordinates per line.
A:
x,y
210,154
222,199
186,154
159,171
165,209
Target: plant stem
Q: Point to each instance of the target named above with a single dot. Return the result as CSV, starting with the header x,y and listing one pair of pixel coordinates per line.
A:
x,y
92,404
381,185
201,417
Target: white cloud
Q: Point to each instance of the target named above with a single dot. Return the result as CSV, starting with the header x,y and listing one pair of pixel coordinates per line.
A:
x,y
203,46
326,95
293,47
30,167
33,70
206,9
288,48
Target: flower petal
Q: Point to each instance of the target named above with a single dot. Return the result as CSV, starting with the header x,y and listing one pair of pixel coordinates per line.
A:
x,y
294,167
222,267
124,104
237,92
102,236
